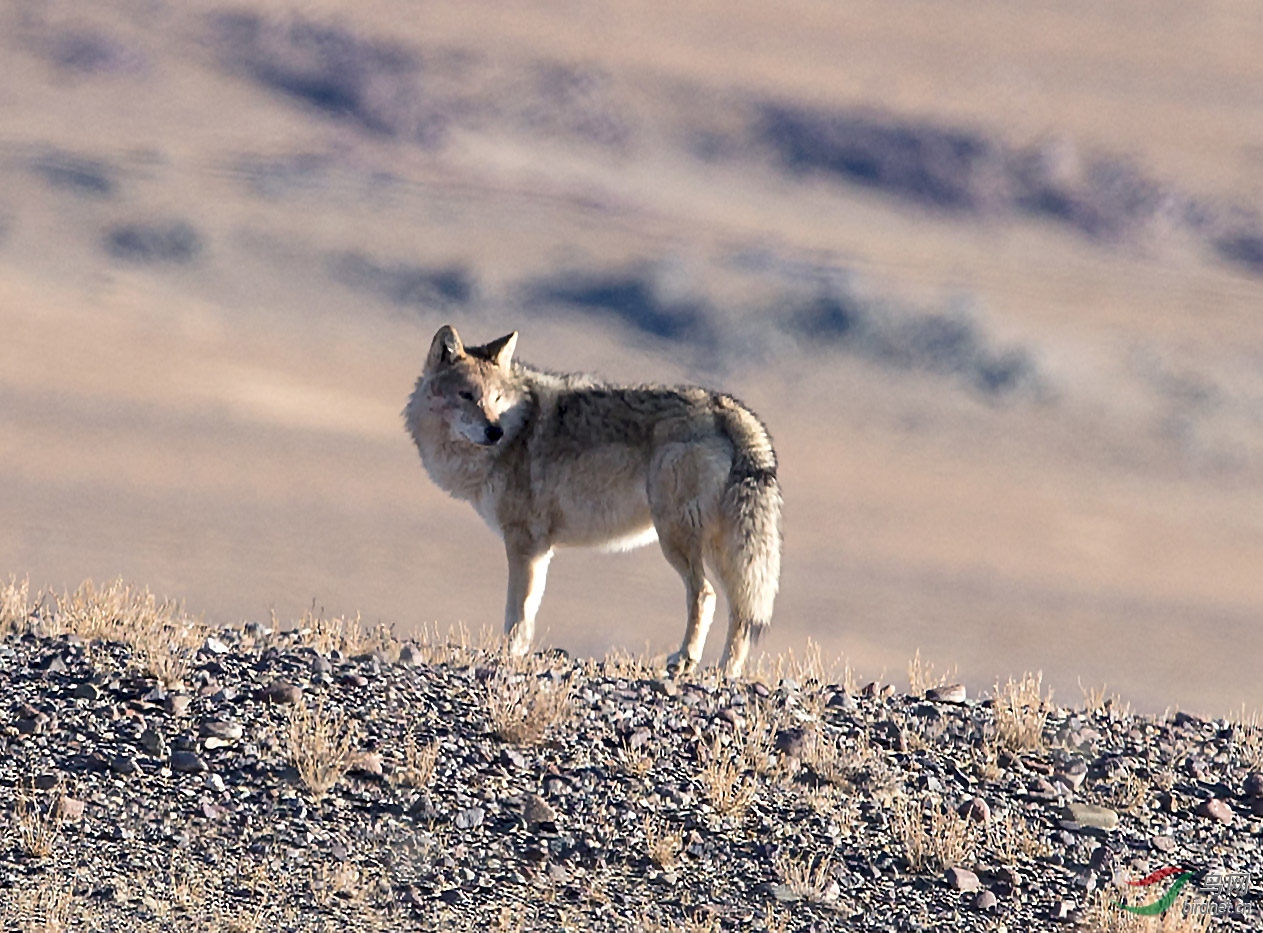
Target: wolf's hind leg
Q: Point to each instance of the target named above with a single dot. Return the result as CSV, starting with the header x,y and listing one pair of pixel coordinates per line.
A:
x,y
528,572
737,648
699,601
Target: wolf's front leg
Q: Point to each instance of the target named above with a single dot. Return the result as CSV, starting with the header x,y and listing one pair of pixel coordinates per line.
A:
x,y
528,571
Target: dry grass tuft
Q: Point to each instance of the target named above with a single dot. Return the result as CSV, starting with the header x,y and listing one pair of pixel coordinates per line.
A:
x,y
162,638
804,881
922,676
457,645
662,843
419,761
621,664
349,637
330,884
1099,701
1247,736
1012,837
728,788
524,706
1129,793
15,606
933,835
637,761
321,746
650,923
44,907
849,763
1021,710
38,829
811,667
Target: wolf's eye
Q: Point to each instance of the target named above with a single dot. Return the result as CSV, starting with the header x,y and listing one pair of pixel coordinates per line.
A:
x,y
467,396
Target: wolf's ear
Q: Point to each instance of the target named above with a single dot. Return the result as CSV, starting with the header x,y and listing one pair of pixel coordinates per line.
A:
x,y
445,348
500,351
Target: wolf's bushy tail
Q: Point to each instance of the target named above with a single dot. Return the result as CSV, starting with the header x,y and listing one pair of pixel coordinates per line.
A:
x,y
750,510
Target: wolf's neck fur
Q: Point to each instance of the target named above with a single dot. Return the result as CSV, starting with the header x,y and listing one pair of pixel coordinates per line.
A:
x,y
456,467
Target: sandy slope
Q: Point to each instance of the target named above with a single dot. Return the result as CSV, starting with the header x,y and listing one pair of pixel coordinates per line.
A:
x,y
227,430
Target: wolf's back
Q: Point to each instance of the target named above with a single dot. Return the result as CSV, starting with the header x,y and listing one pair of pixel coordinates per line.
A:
x,y
750,558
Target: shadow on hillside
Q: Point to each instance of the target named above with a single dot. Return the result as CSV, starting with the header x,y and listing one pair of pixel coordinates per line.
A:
x,y
964,170
816,317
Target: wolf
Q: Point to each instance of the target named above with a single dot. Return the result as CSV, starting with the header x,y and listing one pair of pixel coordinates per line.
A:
x,y
556,460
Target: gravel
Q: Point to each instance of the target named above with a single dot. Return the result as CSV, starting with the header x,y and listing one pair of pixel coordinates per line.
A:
x,y
174,808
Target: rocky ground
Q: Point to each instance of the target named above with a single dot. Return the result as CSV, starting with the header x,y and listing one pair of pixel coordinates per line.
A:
x,y
332,778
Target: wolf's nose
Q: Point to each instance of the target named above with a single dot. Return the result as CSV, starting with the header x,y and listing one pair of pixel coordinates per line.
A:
x,y
494,433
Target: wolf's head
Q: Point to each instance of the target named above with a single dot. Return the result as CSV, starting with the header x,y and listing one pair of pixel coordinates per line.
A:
x,y
474,391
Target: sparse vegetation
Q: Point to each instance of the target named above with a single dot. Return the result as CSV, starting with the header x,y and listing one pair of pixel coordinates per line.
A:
x,y
933,835
922,675
15,607
350,637
163,639
419,762
1247,736
813,882
524,705
662,843
321,746
1013,837
37,827
1021,710
726,784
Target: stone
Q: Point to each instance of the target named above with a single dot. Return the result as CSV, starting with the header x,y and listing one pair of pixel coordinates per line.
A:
x,y
470,818
222,729
985,901
369,763
1078,815
47,781
842,700
187,762
124,764
789,742
538,813
1254,785
946,693
1064,910
975,810
512,758
281,692
70,808
1163,843
1072,773
1215,809
152,743
215,646
962,879
177,704
86,691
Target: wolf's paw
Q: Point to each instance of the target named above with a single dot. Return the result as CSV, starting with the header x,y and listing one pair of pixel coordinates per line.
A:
x,y
680,663
517,645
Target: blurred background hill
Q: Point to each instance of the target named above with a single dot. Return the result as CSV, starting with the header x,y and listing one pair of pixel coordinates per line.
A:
x,y
992,272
